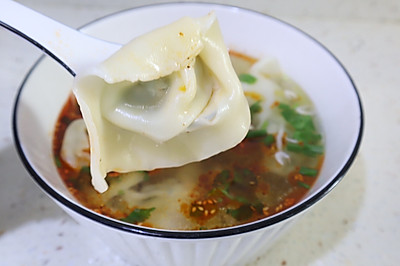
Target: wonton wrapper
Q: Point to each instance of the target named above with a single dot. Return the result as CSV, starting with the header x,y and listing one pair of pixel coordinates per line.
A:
x,y
167,98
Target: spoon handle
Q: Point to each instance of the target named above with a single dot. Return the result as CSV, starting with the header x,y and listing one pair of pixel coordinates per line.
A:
x,y
71,48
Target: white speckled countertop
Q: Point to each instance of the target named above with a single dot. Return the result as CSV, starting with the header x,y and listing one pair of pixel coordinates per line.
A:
x,y
358,223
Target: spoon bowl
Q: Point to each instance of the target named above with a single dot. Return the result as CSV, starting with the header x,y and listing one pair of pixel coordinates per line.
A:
x,y
74,50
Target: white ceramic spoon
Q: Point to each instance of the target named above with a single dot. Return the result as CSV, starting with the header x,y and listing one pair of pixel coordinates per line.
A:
x,y
72,49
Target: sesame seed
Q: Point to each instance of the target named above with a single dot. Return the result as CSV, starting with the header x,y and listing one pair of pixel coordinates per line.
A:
x,y
299,177
279,207
201,208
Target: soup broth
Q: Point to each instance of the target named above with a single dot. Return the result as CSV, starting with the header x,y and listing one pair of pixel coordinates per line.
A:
x,y
269,171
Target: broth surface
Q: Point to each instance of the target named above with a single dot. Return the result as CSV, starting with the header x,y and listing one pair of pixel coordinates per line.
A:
x,y
269,171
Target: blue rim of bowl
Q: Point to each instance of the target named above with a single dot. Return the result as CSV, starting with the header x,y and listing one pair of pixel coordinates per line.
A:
x,y
200,234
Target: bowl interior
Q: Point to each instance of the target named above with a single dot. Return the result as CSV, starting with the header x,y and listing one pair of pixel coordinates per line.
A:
x,y
48,85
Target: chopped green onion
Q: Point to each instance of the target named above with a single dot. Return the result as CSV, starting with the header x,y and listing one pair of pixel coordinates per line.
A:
x,y
221,183
255,108
269,139
225,192
304,131
222,178
211,192
85,170
294,147
304,185
313,150
306,149
298,121
258,206
238,177
244,212
138,215
307,135
308,171
247,78
242,199
264,125
256,133
302,122
146,176
244,176
57,161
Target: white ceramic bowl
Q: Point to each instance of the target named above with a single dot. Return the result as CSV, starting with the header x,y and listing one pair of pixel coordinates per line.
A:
x,y
48,85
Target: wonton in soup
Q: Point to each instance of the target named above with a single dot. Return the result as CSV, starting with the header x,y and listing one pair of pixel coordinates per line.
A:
x,y
165,99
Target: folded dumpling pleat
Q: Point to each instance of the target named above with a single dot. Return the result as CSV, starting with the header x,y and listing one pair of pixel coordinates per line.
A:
x,y
165,99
